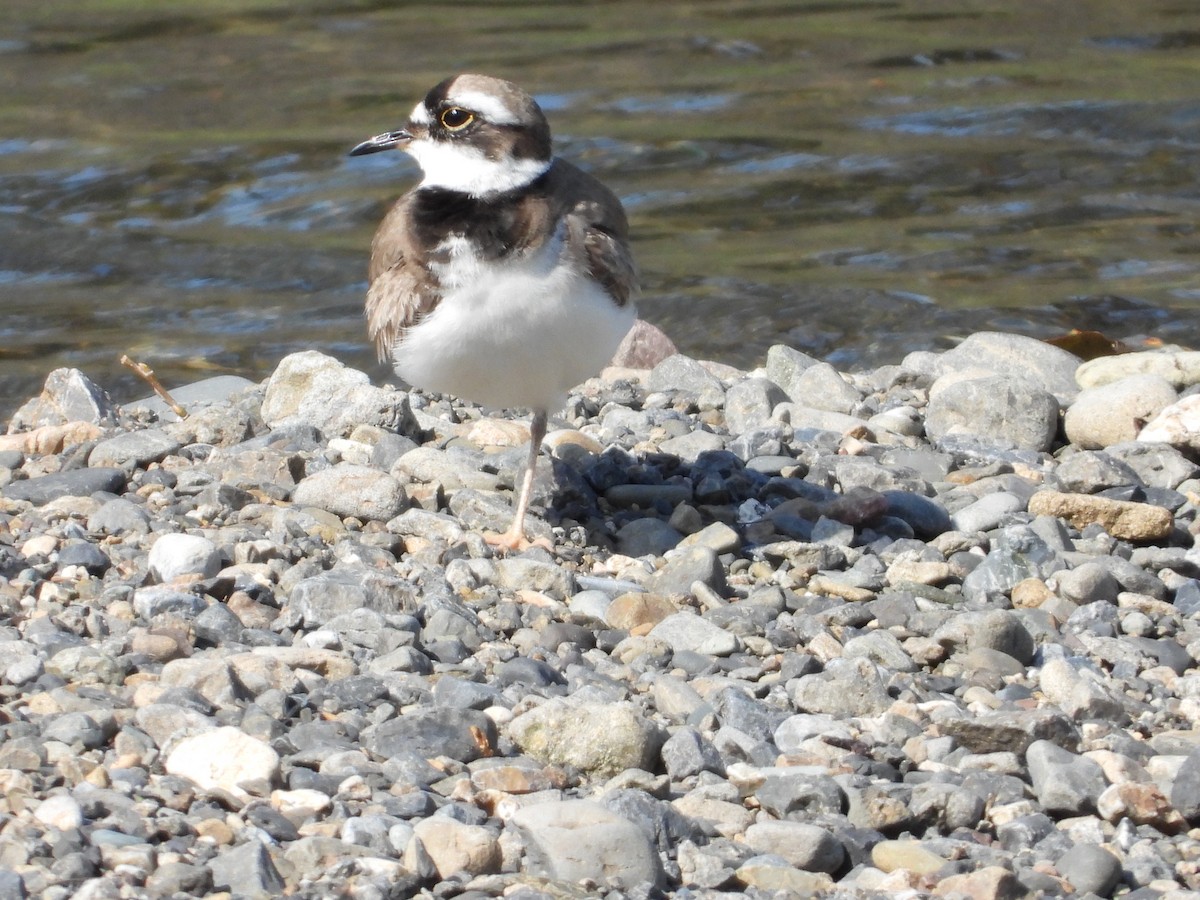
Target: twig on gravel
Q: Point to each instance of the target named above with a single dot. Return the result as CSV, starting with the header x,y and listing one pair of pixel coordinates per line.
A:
x,y
147,374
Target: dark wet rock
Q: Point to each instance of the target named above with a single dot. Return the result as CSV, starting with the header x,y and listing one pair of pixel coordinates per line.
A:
x,y
74,483
462,734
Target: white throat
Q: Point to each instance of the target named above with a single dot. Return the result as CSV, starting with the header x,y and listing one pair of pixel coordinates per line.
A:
x,y
465,169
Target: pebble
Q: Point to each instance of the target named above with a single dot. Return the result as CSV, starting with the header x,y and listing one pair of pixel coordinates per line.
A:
x,y
574,840
1117,411
997,408
224,758
176,555
939,649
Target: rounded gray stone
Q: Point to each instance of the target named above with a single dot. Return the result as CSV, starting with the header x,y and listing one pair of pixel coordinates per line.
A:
x,y
688,631
353,490
807,847
575,840
1003,410
1090,869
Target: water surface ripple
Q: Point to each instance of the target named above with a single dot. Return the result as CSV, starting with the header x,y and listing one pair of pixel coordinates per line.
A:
x,y
858,180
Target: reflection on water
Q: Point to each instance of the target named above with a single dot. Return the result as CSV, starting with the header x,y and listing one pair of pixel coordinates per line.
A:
x,y
858,180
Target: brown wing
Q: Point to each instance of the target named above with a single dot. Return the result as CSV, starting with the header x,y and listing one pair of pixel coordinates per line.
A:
x,y
597,220
395,299
610,263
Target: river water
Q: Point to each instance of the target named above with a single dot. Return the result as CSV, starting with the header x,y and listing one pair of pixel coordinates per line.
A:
x,y
857,179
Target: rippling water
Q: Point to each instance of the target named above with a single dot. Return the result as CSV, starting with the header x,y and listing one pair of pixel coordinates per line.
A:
x,y
856,179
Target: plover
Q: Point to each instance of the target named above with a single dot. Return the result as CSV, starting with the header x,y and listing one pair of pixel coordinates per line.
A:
x,y
505,276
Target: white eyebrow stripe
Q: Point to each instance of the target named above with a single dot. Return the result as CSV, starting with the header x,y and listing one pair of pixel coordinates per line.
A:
x,y
486,105
420,115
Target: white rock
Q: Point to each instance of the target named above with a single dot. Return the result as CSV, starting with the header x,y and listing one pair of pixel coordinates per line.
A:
x,y
224,758
1180,368
301,804
59,811
1177,425
174,555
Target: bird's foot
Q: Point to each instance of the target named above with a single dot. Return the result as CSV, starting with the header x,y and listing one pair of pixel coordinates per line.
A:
x,y
515,542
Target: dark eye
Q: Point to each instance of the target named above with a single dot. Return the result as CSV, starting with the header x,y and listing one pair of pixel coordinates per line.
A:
x,y
456,118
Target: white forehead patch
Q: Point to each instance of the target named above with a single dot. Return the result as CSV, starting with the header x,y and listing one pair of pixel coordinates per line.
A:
x,y
491,107
459,168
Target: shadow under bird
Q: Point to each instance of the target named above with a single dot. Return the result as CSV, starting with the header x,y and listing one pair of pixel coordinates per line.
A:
x,y
505,276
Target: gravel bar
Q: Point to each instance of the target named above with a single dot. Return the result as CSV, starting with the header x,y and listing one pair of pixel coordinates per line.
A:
x,y
930,630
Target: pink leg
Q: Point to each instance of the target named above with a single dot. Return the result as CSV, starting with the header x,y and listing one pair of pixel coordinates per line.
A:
x,y
514,538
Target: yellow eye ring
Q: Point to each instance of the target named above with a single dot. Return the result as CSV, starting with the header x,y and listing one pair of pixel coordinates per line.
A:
x,y
455,118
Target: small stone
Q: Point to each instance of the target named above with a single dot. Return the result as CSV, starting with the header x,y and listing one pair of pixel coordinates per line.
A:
x,y
998,408
1090,869
246,871
1177,425
119,516
785,365
176,555
1050,367
133,449
987,883
682,373
353,490
67,396
462,734
459,847
688,753
749,404
224,759
686,565
60,811
771,873
73,483
804,846
1087,583
987,512
911,856
1065,783
1180,368
1123,520
647,537
1116,412
821,386
1185,790
1143,804
314,389
635,610
690,632
846,686
1079,697
574,840
601,740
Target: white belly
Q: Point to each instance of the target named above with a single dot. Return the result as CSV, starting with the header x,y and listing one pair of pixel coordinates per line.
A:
x,y
521,333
